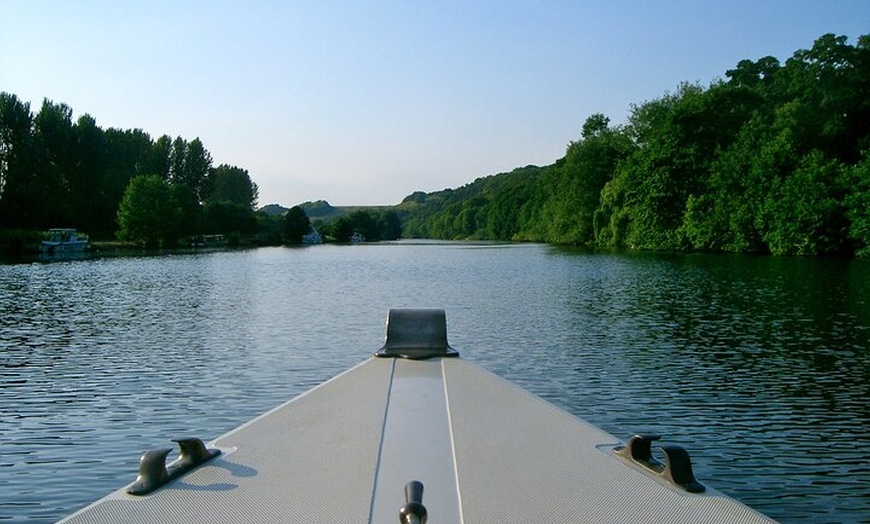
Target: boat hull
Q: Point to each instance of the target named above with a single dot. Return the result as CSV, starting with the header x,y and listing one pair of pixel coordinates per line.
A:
x,y
63,240
62,247
484,450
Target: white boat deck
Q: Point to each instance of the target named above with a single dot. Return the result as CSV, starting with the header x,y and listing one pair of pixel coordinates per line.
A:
x,y
485,451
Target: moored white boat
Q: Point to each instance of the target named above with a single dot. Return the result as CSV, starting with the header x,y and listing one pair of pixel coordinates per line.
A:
x,y
63,240
415,433
312,237
208,241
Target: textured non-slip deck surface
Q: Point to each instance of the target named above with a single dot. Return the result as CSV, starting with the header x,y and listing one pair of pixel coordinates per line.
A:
x,y
486,451
520,460
311,460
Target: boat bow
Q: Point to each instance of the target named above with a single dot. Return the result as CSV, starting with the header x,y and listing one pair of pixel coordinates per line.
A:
x,y
392,436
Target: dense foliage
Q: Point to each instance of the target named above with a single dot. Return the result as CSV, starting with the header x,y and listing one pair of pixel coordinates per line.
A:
x,y
488,208
369,225
149,210
773,159
296,225
55,172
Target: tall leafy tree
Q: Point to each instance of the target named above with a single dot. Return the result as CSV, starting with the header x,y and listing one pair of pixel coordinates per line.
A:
x,y
806,210
128,154
177,161
230,197
366,224
296,225
89,196
147,213
197,165
390,225
19,191
575,183
161,160
187,211
232,184
830,85
857,177
189,164
341,229
55,141
226,218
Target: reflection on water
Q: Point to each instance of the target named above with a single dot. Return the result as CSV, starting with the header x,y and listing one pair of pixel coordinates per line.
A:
x,y
759,366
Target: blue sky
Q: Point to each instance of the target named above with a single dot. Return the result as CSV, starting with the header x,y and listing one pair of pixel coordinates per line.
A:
x,y
366,102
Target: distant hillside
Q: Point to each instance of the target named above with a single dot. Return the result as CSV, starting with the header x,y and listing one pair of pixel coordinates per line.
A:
x,y
487,208
321,210
273,210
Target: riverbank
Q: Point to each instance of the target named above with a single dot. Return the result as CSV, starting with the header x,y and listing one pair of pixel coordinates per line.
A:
x,y
23,246
29,252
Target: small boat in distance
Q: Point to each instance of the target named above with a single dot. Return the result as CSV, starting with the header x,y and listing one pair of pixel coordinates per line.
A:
x,y
63,240
312,237
208,241
415,432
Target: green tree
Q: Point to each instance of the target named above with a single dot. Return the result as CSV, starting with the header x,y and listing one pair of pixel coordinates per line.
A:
x,y
128,153
222,217
729,214
612,219
830,83
390,225
147,213
575,182
677,140
366,224
807,210
232,184
471,219
341,229
186,211
177,161
502,214
197,166
857,177
19,191
160,160
92,203
189,164
296,225
53,133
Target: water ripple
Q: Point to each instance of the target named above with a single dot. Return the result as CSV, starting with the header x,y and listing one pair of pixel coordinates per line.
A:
x,y
758,366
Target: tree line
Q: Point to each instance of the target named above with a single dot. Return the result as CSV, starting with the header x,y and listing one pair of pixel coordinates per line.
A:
x,y
773,159
123,184
369,225
58,172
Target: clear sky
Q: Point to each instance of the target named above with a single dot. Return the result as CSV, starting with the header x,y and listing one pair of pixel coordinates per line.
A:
x,y
366,102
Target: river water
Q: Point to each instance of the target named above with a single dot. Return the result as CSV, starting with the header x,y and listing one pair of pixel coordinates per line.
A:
x,y
759,366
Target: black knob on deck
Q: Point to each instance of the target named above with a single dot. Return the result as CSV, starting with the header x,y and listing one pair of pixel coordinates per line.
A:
x,y
413,512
